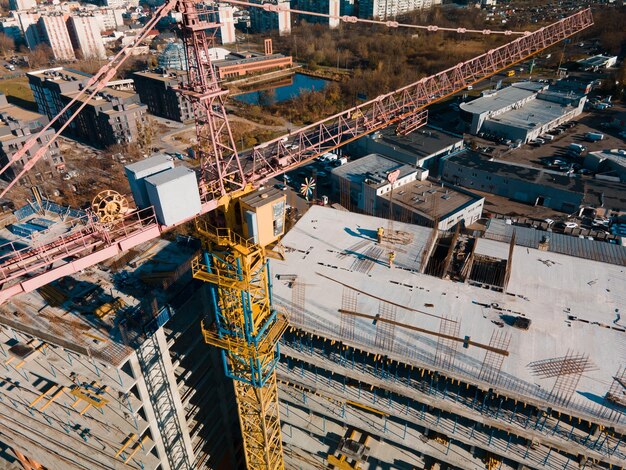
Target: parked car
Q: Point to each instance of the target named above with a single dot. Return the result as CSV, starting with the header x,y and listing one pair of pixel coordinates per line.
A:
x,y
571,225
576,148
593,136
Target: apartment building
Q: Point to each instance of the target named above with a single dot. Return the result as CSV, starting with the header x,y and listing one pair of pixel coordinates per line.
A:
x,y
262,21
17,125
111,117
53,31
390,9
49,84
157,90
85,34
17,5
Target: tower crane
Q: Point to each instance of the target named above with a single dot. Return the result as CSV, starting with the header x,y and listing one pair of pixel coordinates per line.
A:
x,y
245,326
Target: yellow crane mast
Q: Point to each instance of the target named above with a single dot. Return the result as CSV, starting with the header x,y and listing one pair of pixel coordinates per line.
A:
x,y
247,329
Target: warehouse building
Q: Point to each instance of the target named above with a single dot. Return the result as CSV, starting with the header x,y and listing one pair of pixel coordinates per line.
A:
x,y
239,64
157,90
597,62
421,148
363,185
609,162
519,182
522,111
532,185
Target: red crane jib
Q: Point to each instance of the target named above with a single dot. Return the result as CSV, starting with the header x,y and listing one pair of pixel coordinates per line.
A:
x,y
224,171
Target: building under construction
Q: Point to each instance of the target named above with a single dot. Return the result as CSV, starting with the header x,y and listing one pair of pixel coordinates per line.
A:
x,y
108,369
408,348
411,348
402,346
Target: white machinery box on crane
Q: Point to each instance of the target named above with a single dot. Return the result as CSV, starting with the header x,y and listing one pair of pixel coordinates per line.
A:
x,y
137,172
174,194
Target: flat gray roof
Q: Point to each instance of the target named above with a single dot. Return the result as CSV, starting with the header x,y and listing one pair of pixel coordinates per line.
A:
x,y
373,167
502,98
519,171
334,254
262,196
168,175
159,160
431,199
532,114
420,143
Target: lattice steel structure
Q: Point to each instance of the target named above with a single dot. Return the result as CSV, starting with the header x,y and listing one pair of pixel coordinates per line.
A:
x,y
386,330
221,171
567,371
492,363
298,298
349,302
617,390
247,329
446,347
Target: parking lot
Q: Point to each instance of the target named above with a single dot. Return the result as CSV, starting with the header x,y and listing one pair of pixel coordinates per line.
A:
x,y
544,156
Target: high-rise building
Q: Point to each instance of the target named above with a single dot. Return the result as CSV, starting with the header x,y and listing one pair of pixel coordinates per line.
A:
x,y
18,5
122,379
111,18
408,350
27,22
328,7
390,9
227,22
262,21
53,31
10,27
85,34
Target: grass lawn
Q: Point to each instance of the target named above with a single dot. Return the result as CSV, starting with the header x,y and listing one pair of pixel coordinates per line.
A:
x,y
18,92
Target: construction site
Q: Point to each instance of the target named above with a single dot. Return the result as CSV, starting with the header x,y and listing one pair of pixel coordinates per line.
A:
x,y
185,327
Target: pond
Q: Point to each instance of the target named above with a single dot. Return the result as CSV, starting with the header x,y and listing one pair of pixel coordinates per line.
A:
x,y
283,90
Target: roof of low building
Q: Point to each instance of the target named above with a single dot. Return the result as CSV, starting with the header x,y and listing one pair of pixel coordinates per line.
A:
x,y
420,143
534,114
372,170
570,245
433,200
473,160
496,100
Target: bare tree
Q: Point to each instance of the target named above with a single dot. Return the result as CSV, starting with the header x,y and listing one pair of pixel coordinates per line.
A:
x,y
7,45
40,55
146,131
